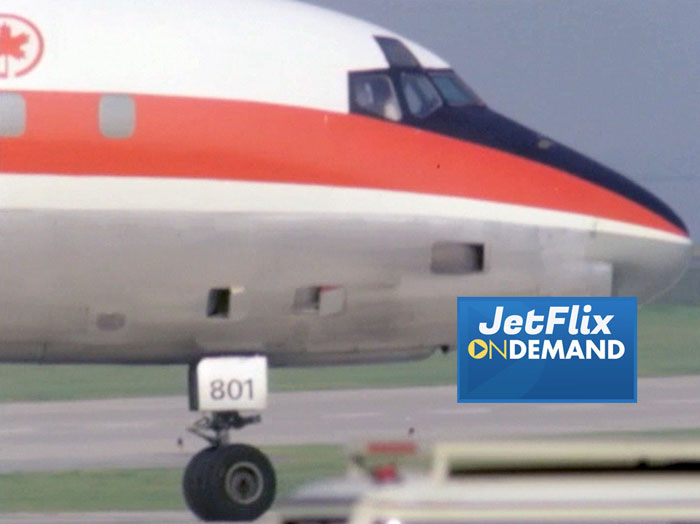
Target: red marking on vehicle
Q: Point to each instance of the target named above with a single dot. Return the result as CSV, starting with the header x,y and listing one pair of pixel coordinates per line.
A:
x,y
385,473
391,448
21,46
181,137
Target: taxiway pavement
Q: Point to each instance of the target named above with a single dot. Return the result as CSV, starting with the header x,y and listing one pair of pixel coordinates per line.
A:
x,y
150,432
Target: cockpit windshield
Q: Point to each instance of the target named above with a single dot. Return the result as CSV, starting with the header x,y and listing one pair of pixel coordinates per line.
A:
x,y
408,94
374,93
453,90
421,96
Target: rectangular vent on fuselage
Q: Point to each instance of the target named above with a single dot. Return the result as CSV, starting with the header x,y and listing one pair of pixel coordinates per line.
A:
x,y
456,258
219,303
320,300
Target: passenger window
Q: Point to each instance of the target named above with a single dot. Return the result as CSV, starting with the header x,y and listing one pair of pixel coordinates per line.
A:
x,y
117,116
374,94
421,96
13,115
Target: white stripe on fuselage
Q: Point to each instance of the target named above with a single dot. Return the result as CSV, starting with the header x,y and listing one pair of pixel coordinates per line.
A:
x,y
105,193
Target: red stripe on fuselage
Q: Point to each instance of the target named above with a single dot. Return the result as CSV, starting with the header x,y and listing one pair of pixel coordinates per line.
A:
x,y
218,139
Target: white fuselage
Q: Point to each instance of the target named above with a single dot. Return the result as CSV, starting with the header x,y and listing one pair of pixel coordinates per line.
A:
x,y
110,248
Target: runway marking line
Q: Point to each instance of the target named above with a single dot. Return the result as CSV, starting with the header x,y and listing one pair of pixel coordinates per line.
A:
x,y
461,411
366,414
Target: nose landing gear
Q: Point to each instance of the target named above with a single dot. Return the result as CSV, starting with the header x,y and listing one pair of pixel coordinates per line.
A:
x,y
226,481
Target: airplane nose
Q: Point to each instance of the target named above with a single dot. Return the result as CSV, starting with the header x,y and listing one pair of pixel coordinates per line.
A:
x,y
490,128
637,235
650,260
646,267
638,194
526,142
647,244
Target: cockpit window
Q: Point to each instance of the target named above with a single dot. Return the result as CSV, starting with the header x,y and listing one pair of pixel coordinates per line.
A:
x,y
454,91
421,96
373,93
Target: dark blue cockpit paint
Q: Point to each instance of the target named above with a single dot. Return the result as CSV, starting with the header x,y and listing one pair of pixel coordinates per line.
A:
x,y
481,125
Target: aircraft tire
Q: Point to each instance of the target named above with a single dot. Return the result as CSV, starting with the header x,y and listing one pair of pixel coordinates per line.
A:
x,y
195,484
233,482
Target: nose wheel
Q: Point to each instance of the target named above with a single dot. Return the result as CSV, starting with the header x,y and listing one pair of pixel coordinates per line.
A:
x,y
229,482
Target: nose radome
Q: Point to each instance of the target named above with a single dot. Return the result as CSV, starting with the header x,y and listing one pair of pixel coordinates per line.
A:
x,y
651,260
646,267
648,260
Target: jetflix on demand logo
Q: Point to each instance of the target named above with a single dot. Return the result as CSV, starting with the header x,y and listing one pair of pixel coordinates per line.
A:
x,y
547,349
21,46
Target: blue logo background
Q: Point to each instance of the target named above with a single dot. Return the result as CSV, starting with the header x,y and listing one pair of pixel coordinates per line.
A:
x,y
549,380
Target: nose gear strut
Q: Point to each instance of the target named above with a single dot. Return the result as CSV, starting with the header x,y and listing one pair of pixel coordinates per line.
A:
x,y
215,427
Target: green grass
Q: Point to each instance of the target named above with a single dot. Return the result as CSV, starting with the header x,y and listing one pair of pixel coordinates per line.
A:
x,y
674,434
126,490
149,489
53,382
668,345
668,338
58,382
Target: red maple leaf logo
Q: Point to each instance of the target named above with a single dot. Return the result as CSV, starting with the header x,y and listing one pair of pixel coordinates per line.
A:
x,y
21,46
11,46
